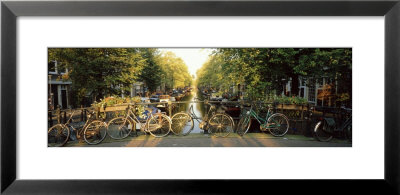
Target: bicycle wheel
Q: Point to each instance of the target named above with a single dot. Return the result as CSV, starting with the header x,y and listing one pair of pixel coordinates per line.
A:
x,y
119,128
57,135
158,125
321,131
220,125
182,124
95,132
243,125
278,124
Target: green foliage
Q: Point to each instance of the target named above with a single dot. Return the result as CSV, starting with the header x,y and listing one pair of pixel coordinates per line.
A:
x,y
115,101
104,72
211,74
112,101
289,100
343,97
151,73
175,73
219,93
99,71
265,71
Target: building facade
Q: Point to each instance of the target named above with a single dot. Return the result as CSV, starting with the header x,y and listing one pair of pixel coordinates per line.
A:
x,y
58,90
319,92
138,89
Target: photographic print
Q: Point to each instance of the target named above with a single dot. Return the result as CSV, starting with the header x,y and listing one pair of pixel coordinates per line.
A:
x,y
199,97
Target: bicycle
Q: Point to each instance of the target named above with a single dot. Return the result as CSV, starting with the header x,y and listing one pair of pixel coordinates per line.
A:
x,y
327,128
276,123
217,124
158,125
93,131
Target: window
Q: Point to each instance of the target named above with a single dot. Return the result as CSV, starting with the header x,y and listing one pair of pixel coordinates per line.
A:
x,y
61,68
311,90
56,68
303,81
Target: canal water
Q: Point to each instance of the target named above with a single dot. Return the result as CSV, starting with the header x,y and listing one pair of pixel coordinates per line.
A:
x,y
199,109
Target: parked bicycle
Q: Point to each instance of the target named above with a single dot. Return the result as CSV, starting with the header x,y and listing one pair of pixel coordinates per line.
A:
x,y
327,127
93,131
217,124
158,125
276,123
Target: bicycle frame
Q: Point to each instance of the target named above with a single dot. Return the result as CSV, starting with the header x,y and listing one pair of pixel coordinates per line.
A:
x,y
257,117
70,118
78,130
203,123
262,121
330,129
336,126
346,123
194,116
134,119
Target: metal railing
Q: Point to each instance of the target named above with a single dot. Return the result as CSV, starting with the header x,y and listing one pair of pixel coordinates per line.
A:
x,y
60,115
301,117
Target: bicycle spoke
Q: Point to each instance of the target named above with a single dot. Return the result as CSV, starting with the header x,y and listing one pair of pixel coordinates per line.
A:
x,y
95,132
220,125
57,135
277,124
159,126
181,124
119,128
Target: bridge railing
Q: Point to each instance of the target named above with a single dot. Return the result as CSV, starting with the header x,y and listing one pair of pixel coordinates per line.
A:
x,y
299,115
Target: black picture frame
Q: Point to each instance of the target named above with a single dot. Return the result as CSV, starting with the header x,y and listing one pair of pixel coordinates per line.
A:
x,y
10,10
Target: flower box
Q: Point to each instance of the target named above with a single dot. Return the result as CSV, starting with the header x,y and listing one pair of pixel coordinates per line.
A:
x,y
292,107
113,108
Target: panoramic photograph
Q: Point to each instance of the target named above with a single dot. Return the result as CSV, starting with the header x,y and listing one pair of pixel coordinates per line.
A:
x,y
199,97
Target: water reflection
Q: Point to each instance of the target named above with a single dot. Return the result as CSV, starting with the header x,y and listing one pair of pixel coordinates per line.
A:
x,y
199,109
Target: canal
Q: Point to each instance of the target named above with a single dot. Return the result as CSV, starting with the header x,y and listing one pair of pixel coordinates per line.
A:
x,y
199,109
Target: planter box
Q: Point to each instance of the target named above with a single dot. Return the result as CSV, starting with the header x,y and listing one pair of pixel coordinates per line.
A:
x,y
292,107
114,108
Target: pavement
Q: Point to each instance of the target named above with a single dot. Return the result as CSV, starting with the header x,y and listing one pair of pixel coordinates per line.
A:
x,y
206,140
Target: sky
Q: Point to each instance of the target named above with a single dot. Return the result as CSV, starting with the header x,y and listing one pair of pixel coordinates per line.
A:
x,y
194,58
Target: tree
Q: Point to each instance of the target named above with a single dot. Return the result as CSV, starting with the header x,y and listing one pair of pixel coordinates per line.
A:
x,y
176,73
151,72
98,71
266,70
